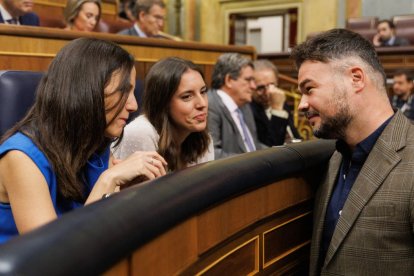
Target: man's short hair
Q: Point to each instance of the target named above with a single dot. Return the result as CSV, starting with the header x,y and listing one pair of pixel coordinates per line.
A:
x,y
264,64
389,22
228,64
146,5
403,72
340,45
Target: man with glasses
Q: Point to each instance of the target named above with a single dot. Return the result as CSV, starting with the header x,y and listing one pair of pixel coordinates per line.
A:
x,y
230,119
273,119
150,16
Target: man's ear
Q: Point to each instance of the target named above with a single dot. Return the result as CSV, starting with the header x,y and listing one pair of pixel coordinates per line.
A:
x,y
141,15
358,78
228,81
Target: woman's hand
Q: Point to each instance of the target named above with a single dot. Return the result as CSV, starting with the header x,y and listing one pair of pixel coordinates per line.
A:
x,y
141,165
147,164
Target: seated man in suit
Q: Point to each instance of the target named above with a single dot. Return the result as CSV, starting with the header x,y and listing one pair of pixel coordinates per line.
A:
x,y
386,35
150,17
271,114
18,12
230,119
403,99
364,211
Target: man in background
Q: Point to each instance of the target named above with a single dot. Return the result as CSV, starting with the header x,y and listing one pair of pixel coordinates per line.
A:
x,y
150,18
364,211
230,119
386,35
18,12
274,122
402,98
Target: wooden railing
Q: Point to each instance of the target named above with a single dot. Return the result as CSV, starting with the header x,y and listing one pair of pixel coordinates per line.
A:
x,y
32,48
245,215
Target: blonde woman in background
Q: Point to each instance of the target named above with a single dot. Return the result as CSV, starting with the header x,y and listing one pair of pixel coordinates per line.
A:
x,y
82,15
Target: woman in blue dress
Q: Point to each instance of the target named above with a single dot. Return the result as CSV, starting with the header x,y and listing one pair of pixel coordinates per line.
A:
x,y
57,158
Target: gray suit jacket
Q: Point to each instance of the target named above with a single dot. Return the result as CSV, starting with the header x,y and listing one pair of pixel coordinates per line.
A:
x,y
130,31
375,233
226,136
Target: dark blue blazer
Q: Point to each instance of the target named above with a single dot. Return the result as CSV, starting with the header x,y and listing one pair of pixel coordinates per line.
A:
x,y
30,19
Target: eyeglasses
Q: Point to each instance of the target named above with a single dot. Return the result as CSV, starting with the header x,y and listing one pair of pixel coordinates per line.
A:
x,y
158,17
250,79
263,88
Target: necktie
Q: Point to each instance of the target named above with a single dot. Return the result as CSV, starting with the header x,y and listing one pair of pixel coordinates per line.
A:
x,y
247,138
12,21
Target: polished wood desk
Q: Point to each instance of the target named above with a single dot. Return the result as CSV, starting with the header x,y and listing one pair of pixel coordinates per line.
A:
x,y
32,48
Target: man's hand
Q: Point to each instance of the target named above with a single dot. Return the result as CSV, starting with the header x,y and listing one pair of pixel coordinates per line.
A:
x,y
277,97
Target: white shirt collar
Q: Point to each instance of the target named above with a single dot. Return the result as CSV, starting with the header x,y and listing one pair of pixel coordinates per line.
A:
x,y
227,100
391,41
5,14
139,31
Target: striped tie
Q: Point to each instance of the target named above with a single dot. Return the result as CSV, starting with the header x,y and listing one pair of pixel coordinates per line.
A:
x,y
247,138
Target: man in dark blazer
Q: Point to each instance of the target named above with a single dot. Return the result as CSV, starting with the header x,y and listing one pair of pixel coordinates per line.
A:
x,y
364,209
402,88
230,119
18,12
386,37
150,16
274,121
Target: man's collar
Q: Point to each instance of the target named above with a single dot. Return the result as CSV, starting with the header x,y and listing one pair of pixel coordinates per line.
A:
x,y
227,100
139,31
391,41
365,145
5,14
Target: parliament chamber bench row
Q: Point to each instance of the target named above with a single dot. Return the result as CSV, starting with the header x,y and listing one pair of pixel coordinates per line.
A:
x,y
256,220
367,26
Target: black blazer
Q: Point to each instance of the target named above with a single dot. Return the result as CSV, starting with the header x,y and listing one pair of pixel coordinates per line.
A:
x,y
30,19
399,41
272,132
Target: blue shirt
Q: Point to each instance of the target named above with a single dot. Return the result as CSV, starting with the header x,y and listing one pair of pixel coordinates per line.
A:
x,y
351,165
96,165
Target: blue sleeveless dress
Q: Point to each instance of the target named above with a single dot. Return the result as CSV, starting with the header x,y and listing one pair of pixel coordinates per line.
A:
x,y
95,166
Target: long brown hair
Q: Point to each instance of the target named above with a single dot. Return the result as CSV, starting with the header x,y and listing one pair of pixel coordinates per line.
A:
x,y
67,121
161,83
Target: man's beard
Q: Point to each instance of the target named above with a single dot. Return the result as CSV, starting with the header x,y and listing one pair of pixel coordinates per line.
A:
x,y
334,127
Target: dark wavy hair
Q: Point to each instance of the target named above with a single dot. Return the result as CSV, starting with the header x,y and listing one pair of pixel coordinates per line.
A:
x,y
161,83
67,121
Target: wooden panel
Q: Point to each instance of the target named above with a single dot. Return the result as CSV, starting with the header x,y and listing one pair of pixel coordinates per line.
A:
x,y
248,234
21,63
243,260
220,223
286,238
36,43
288,192
291,251
172,251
